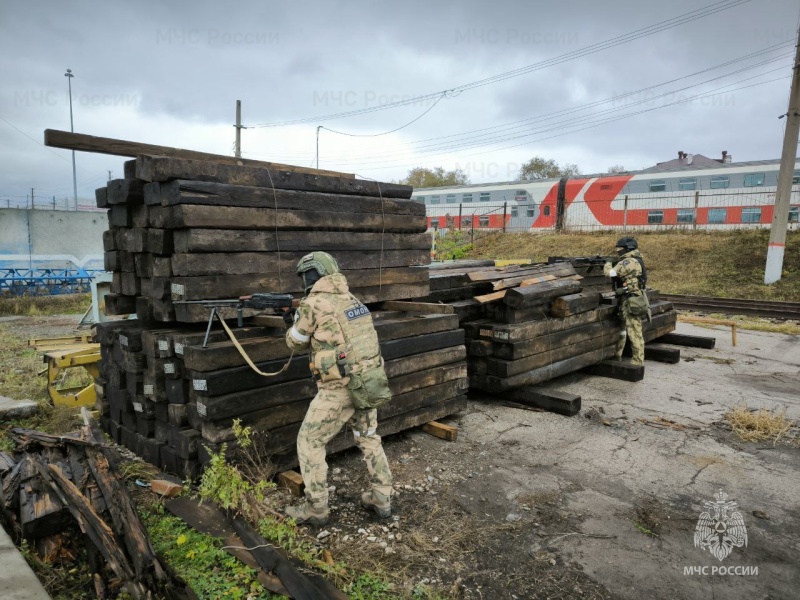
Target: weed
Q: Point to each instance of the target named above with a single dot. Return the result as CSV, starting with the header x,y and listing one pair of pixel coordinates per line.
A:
x,y
369,587
223,484
211,572
760,425
138,469
644,529
45,305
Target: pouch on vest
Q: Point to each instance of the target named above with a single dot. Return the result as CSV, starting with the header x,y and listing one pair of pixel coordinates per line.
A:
x,y
638,305
369,389
325,362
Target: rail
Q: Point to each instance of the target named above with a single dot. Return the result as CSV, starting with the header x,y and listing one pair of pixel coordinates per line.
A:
x,y
736,306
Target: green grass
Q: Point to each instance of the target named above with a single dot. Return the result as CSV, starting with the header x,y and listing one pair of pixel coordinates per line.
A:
x,y
199,559
728,264
32,306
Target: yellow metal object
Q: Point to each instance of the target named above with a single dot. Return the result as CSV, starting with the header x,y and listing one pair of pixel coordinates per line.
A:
x,y
505,262
62,354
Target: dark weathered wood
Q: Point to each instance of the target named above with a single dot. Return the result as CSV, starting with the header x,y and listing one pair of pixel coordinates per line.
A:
x,y
125,191
110,240
529,330
216,194
269,559
691,341
101,197
90,143
492,383
233,240
238,263
549,341
617,370
573,304
132,240
189,216
562,403
151,192
418,307
540,293
480,348
425,360
119,216
662,353
232,286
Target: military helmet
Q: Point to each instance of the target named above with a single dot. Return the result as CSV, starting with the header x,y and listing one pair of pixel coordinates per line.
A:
x,y
628,243
314,266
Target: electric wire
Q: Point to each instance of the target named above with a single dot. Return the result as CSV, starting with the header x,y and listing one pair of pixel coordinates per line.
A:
x,y
682,19
429,109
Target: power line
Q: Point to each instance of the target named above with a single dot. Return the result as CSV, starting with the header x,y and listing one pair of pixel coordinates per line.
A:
x,y
443,95
682,19
508,130
589,125
32,139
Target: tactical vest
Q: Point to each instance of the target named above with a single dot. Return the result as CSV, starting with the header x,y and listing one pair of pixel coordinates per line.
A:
x,y
357,330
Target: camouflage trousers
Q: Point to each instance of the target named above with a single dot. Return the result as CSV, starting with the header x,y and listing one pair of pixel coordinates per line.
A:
x,y
330,410
633,332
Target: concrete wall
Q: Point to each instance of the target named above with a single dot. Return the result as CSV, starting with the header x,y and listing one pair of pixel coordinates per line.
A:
x,y
51,236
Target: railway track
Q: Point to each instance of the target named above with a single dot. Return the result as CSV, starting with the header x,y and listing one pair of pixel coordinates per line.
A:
x,y
736,306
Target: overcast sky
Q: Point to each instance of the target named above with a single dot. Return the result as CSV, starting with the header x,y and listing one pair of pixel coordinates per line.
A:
x,y
170,73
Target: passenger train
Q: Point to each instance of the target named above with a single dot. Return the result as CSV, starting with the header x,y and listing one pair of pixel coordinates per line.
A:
x,y
714,194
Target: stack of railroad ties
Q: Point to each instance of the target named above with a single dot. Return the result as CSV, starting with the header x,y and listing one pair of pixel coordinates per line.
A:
x,y
526,324
183,230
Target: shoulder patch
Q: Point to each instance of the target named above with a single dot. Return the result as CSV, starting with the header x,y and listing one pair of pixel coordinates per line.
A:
x,y
356,312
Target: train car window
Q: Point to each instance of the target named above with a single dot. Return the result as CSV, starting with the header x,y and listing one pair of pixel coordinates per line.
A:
x,y
796,177
717,215
419,199
720,182
794,214
434,199
690,183
514,211
486,196
751,215
483,221
753,179
658,186
466,197
655,217
520,195
685,215
451,198
546,211
531,212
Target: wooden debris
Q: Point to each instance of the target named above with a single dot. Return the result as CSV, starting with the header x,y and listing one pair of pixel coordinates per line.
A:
x,y
292,481
164,488
441,430
692,341
562,403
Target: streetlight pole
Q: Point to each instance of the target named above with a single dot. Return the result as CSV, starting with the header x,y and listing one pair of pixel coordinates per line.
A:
x,y
69,77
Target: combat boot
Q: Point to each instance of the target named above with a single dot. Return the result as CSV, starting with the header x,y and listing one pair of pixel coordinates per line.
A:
x,y
306,512
377,502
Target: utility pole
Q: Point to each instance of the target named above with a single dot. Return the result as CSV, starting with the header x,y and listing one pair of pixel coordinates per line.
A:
x,y
31,198
783,195
69,77
238,151
318,128
109,174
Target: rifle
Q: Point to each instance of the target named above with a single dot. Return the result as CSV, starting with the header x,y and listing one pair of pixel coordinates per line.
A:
x,y
254,301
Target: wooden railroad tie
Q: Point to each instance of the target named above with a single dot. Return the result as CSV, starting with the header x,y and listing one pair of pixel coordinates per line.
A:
x,y
292,481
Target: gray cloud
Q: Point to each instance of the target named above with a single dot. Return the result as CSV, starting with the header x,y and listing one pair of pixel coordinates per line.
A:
x,y
169,73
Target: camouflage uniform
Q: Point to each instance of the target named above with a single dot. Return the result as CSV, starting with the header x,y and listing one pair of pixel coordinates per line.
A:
x,y
332,321
629,270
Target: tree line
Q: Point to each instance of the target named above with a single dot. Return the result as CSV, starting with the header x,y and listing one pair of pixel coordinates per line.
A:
x,y
535,168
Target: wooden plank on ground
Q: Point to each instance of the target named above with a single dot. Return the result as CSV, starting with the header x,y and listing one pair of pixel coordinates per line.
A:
x,y
691,341
616,369
562,403
292,481
441,430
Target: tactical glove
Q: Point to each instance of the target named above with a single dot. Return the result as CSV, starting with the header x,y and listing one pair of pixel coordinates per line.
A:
x,y
288,316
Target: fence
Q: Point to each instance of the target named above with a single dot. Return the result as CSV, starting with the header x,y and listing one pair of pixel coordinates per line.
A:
x,y
52,203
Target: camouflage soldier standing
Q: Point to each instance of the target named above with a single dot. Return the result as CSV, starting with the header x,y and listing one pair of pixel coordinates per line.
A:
x,y
629,277
344,347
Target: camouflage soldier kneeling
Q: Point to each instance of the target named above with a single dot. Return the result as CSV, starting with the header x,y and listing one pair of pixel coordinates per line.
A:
x,y
629,278
347,365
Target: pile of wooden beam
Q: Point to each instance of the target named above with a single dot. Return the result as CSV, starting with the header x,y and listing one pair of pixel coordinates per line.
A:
x,y
173,401
54,481
186,230
526,324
